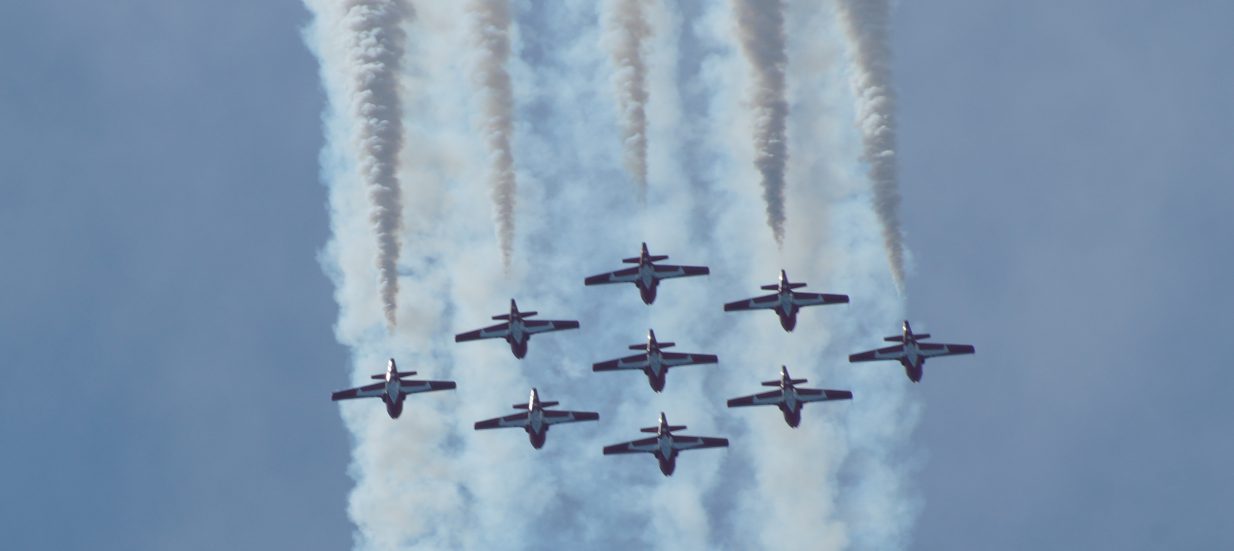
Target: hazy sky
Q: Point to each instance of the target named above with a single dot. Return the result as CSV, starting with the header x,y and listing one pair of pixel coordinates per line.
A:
x,y
166,329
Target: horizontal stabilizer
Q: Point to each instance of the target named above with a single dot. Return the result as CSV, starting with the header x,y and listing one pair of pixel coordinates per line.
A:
x,y
796,285
402,374
670,428
634,260
896,338
770,287
657,257
922,336
520,406
378,377
503,317
548,404
660,345
791,381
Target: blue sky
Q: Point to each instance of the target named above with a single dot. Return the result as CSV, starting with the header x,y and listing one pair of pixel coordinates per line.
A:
x,y
167,330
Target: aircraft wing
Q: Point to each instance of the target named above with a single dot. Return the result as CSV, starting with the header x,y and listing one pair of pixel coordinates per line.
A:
x,y
698,442
771,398
888,353
645,445
544,326
931,349
637,361
822,395
756,303
811,299
516,421
668,272
674,359
559,417
367,391
499,331
626,275
415,387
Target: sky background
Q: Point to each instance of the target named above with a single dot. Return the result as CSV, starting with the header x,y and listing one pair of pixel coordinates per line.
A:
x,y
166,328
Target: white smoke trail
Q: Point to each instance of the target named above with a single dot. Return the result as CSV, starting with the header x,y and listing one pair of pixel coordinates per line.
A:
x,y
828,480
628,31
365,43
414,484
492,28
867,23
760,29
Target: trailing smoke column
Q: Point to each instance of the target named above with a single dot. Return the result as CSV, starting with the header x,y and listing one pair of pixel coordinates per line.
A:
x,y
375,50
760,26
867,24
492,25
627,30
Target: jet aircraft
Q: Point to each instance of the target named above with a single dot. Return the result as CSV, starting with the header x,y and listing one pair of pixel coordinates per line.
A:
x,y
912,353
536,420
665,445
789,398
654,361
393,389
647,275
786,302
516,329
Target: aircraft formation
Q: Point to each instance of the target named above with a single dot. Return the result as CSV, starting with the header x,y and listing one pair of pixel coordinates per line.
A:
x,y
535,417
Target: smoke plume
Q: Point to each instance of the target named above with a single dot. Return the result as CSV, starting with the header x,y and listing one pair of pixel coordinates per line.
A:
x,y
867,24
372,35
628,29
760,28
492,28
428,480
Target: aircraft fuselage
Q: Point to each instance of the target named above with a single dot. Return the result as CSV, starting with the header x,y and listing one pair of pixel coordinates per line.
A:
x,y
394,407
537,429
656,373
656,380
791,406
647,283
666,455
394,403
787,311
913,360
518,338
